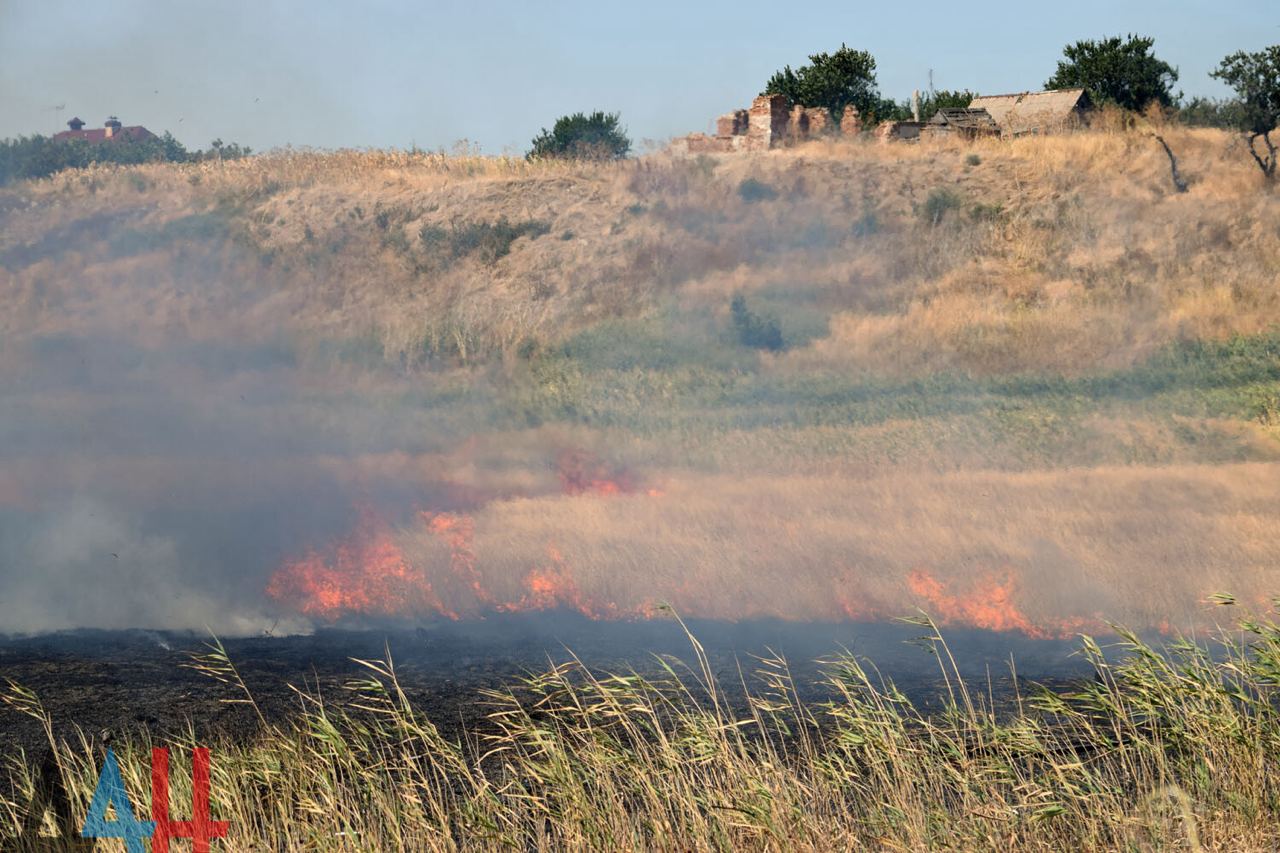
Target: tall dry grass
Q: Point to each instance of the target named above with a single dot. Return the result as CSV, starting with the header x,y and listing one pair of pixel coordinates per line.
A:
x,y
1164,749
1060,548
1067,253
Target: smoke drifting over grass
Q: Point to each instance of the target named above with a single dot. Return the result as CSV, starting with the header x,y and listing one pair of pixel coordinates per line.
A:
x,y
254,396
90,565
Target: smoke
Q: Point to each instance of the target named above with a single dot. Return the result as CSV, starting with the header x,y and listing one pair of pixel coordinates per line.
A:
x,y
247,397
157,487
90,564
165,486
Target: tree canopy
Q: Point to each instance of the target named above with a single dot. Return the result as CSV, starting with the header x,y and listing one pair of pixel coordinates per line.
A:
x,y
39,156
1118,71
598,136
1256,80
832,80
940,99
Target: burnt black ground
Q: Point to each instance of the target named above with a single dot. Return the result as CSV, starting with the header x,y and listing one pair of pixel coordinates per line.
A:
x,y
123,681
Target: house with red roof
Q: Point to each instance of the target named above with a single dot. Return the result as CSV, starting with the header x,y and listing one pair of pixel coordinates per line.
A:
x,y
111,131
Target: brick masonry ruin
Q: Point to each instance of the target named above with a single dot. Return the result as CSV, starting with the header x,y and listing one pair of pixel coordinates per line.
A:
x,y
770,123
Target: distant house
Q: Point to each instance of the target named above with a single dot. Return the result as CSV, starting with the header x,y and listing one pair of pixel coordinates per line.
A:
x,y
968,123
1034,112
110,131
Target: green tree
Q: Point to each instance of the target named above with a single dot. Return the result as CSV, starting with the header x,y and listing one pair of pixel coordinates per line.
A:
x,y
1256,79
832,80
943,99
1226,113
40,156
598,136
930,103
219,150
1117,71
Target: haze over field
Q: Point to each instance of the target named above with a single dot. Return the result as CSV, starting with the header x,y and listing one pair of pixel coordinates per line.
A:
x,y
458,428
1023,385
395,74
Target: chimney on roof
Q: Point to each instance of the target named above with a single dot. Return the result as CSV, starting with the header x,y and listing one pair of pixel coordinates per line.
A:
x,y
113,126
75,123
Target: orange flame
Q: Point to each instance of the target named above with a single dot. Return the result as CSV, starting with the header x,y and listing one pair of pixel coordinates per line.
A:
x,y
365,573
581,473
459,531
989,604
553,587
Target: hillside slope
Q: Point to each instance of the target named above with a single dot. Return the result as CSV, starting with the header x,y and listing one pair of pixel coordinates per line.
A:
x,y
1025,372
1067,253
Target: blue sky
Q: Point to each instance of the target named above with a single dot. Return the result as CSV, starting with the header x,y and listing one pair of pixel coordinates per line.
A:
x,y
392,73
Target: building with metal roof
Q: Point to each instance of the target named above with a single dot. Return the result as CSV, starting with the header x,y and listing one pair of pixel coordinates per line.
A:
x,y
1034,112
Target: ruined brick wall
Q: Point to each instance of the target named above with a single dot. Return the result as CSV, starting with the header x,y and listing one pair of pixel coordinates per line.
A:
x,y
732,124
700,143
797,125
772,123
768,121
894,131
818,120
851,121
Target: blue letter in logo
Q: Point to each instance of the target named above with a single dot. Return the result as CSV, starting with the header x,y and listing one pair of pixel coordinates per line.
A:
x,y
111,792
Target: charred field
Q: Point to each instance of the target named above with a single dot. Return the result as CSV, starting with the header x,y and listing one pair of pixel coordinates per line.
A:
x,y
483,413
126,683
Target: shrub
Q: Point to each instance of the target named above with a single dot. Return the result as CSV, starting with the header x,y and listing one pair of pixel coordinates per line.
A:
x,y
487,241
867,223
754,330
986,212
973,160
219,150
754,190
598,136
938,204
1226,113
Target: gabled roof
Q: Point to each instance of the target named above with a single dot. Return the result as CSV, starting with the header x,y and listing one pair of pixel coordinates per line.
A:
x,y
1023,112
137,133
978,119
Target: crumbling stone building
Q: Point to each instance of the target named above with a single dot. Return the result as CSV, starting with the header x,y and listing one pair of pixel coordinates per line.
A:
x,y
770,122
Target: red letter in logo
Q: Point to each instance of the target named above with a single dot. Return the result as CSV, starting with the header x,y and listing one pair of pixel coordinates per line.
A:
x,y
200,829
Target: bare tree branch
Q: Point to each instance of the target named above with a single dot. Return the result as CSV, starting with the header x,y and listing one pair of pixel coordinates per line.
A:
x,y
1267,164
1178,183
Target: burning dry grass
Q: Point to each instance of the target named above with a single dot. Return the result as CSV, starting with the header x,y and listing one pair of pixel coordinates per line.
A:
x,y
1164,749
1006,378
1046,553
1026,393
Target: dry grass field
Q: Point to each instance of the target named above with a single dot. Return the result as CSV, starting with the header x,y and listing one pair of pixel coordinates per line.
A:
x,y
1068,253
1017,385
1162,750
1026,370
